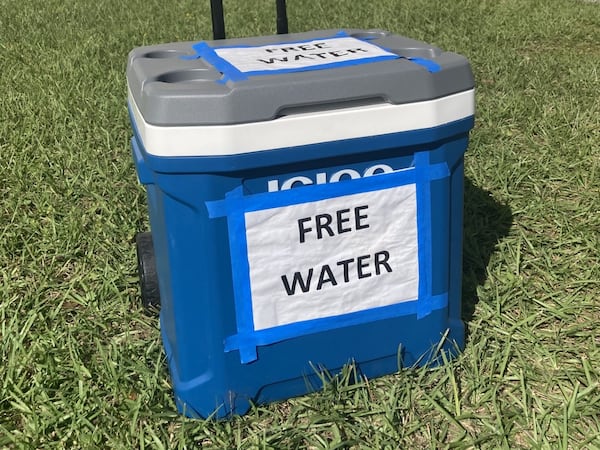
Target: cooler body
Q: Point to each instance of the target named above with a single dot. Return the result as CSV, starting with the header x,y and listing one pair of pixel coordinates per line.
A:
x,y
302,218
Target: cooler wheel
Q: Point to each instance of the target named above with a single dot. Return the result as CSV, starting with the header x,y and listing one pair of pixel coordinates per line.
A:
x,y
147,271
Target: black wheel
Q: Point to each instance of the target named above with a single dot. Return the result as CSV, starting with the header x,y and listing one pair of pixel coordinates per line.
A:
x,y
147,271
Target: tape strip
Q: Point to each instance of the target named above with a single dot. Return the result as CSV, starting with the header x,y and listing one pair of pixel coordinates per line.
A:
x,y
423,172
229,71
428,64
271,335
236,204
239,265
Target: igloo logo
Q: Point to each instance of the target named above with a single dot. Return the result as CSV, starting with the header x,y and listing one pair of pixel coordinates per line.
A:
x,y
275,185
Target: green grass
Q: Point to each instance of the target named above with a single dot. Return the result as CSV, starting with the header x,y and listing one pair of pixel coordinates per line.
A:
x,y
82,366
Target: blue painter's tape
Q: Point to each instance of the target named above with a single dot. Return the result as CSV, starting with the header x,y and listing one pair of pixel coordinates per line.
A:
x,y
240,268
333,65
430,65
424,230
218,208
236,204
271,335
229,71
339,34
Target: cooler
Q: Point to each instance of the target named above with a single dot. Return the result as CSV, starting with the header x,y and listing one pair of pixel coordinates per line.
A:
x,y
305,195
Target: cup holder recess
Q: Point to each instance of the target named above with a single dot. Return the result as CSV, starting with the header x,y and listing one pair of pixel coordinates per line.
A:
x,y
164,54
180,76
368,35
407,52
428,53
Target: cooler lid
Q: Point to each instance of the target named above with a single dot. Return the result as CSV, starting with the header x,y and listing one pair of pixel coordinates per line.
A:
x,y
237,81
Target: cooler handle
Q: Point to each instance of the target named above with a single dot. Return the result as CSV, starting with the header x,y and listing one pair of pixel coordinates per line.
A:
x,y
143,171
218,20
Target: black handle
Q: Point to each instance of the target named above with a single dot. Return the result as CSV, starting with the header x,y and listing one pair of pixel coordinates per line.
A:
x,y
218,19
282,21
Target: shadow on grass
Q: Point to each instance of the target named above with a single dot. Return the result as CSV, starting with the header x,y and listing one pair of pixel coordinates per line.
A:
x,y
486,222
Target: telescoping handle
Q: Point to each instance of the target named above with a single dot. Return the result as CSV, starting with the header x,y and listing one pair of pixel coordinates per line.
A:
x,y
282,21
218,18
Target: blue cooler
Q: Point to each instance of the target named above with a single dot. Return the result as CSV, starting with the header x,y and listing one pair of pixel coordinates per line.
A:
x,y
305,195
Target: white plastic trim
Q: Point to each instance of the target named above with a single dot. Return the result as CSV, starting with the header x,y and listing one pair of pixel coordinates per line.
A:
x,y
301,129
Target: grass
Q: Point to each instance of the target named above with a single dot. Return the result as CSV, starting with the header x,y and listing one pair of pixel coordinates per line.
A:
x,y
82,366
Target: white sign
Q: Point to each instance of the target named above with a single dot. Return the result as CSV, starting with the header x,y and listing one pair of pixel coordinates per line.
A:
x,y
332,257
300,55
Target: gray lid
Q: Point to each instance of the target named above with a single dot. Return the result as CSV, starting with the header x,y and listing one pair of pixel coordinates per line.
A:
x,y
170,90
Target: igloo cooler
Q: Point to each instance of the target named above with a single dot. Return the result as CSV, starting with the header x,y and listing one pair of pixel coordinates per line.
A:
x,y
305,195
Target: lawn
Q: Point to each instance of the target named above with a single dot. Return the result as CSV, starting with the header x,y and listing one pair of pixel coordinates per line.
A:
x,y
82,366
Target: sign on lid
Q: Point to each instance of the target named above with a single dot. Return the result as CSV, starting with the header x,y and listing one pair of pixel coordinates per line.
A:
x,y
238,62
302,55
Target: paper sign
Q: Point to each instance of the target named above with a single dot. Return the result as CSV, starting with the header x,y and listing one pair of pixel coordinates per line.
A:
x,y
332,257
301,55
